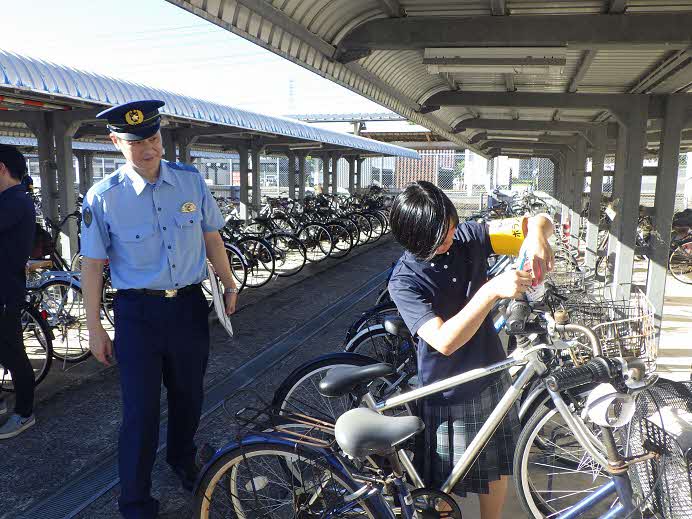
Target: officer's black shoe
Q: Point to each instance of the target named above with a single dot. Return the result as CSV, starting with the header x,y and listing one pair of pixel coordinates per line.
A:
x,y
187,474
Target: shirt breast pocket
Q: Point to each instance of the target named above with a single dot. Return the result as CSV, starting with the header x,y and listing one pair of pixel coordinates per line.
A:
x,y
188,221
142,244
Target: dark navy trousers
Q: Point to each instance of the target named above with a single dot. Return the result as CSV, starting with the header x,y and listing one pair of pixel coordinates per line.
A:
x,y
157,339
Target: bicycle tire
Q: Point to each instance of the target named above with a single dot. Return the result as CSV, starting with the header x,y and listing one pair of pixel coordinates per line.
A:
x,y
341,239
238,266
292,461
531,499
259,260
38,344
317,240
67,318
290,253
680,261
364,226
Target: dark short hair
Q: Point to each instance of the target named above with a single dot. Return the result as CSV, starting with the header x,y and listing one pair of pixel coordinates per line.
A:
x,y
421,217
13,160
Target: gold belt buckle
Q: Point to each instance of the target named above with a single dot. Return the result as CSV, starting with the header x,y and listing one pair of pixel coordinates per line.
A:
x,y
171,293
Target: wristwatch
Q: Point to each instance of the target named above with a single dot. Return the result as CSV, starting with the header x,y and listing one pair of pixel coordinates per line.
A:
x,y
232,290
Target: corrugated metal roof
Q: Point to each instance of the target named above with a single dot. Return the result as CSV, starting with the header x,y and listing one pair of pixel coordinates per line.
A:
x,y
307,32
32,75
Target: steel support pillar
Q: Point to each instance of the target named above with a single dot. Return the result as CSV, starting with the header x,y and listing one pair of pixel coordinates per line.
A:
x,y
184,147
359,174
256,189
619,169
43,130
244,208
600,143
85,159
169,147
351,174
567,187
626,193
664,203
63,131
301,176
335,173
578,200
291,175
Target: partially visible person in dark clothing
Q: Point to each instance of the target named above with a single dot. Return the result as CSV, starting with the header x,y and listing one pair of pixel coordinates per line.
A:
x,y
17,224
28,183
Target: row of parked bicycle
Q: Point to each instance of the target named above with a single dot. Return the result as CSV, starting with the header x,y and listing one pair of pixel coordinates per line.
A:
x,y
337,440
279,242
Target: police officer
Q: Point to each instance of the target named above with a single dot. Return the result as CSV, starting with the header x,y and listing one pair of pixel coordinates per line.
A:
x,y
17,222
157,223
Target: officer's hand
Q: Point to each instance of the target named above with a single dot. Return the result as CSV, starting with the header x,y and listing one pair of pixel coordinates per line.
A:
x,y
510,284
101,345
230,299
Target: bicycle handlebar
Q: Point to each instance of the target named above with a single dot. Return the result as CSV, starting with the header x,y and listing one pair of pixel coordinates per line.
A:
x,y
598,370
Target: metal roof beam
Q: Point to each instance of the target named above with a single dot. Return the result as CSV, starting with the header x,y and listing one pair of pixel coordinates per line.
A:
x,y
618,104
393,8
579,31
617,6
531,145
498,7
530,126
584,65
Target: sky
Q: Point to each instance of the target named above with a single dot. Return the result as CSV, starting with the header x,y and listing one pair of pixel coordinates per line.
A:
x,y
158,44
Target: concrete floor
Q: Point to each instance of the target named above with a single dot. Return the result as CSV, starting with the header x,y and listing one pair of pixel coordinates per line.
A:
x,y
78,406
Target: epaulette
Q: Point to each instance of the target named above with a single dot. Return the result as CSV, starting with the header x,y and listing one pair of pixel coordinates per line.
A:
x,y
182,166
105,184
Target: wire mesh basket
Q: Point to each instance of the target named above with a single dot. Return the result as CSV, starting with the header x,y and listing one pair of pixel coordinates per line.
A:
x,y
625,328
663,424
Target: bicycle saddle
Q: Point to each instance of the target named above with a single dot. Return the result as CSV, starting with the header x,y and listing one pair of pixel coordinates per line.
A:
x,y
342,380
363,432
396,326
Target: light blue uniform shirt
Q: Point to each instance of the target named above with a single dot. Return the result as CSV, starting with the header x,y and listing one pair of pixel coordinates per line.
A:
x,y
151,233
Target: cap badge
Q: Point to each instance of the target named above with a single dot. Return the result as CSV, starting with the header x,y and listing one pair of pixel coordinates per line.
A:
x,y
134,117
188,207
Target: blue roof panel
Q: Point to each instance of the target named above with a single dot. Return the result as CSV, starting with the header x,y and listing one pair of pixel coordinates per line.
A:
x,y
43,77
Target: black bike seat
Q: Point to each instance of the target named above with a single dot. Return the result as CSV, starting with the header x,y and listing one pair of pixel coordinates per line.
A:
x,y
397,326
343,380
363,432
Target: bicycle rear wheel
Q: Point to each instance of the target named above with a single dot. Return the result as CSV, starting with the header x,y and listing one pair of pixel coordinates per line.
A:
x,y
270,480
317,240
680,262
63,303
259,258
38,345
290,253
238,265
342,240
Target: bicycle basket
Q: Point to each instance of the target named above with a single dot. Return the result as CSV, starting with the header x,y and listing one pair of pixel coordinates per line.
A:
x,y
663,423
625,328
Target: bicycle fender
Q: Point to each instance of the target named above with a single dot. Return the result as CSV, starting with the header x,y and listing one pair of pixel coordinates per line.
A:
x,y
539,395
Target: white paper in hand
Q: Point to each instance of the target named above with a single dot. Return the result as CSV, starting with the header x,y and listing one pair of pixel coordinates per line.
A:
x,y
219,303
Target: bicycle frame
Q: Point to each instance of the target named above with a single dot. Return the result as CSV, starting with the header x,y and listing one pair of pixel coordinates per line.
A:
x,y
532,366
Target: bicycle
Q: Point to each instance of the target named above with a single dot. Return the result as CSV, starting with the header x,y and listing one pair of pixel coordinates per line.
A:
x,y
367,436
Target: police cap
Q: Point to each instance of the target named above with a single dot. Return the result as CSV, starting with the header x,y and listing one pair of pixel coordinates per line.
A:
x,y
134,121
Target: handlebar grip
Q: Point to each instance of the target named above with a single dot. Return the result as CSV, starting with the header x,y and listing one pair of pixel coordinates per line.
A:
x,y
596,370
519,312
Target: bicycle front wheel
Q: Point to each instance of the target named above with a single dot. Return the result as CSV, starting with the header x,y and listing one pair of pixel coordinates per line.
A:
x,y
66,314
270,480
552,471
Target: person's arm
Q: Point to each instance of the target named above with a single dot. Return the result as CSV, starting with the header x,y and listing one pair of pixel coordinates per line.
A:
x,y
216,253
448,336
100,343
539,252
94,249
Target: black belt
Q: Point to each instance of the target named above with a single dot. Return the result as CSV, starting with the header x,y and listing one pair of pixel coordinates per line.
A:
x,y
161,293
